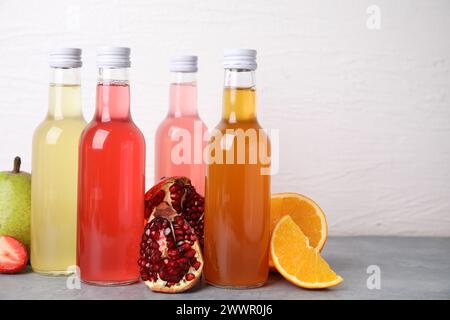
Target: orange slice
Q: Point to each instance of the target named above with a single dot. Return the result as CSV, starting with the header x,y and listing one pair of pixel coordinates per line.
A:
x,y
305,212
296,260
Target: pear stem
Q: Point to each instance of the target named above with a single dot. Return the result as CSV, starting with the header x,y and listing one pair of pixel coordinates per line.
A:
x,y
17,163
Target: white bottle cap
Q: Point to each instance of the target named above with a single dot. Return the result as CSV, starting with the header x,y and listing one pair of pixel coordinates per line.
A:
x,y
239,59
183,63
65,58
113,57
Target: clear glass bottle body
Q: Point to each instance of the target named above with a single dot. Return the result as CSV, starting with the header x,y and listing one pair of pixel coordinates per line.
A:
x,y
111,186
55,175
179,140
237,194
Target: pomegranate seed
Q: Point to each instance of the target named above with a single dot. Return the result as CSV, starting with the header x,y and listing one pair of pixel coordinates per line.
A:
x,y
173,271
172,252
191,253
190,277
167,231
171,245
197,265
175,196
155,235
179,220
179,238
185,247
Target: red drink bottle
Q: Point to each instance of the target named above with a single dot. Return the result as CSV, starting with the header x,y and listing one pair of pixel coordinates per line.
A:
x,y
111,180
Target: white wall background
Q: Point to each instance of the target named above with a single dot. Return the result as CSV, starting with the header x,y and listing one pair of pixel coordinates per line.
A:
x,y
364,115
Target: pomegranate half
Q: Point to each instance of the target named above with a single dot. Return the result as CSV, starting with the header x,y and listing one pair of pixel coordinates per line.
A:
x,y
170,254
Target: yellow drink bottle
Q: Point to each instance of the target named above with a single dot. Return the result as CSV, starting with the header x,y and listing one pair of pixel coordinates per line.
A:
x,y
55,169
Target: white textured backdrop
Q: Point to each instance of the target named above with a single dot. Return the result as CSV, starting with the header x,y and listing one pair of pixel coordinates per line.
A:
x,y
364,114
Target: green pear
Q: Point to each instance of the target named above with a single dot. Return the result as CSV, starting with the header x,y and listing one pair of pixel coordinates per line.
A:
x,y
15,202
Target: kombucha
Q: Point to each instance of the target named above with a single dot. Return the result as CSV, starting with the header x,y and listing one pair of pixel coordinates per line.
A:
x,y
55,169
111,181
237,201
179,142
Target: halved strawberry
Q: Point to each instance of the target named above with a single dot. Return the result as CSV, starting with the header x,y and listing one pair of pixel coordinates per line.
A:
x,y
13,255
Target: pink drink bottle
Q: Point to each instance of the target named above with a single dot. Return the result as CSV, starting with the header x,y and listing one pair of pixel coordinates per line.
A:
x,y
111,180
179,141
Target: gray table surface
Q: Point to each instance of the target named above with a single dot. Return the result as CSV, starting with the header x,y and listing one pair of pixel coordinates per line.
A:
x,y
411,268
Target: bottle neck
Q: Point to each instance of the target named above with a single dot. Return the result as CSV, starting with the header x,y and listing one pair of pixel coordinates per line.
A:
x,y
239,96
183,94
113,95
64,93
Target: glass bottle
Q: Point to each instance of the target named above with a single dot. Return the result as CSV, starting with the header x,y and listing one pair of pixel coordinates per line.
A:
x,y
179,142
111,180
237,191
55,168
